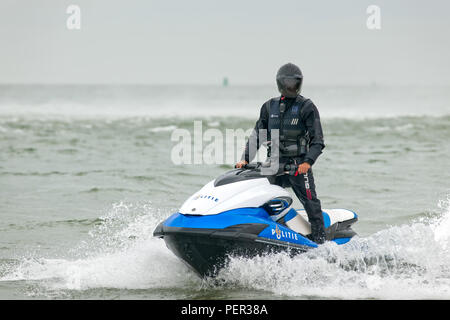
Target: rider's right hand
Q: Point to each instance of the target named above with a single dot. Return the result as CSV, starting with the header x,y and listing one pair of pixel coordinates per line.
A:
x,y
240,164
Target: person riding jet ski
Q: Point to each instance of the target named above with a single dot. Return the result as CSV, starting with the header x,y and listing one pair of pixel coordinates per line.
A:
x,y
300,142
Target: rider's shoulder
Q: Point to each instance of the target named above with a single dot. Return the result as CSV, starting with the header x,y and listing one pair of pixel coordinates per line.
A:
x,y
272,99
266,105
307,102
301,98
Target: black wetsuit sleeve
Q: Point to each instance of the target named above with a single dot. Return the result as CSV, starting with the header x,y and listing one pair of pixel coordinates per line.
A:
x,y
311,118
255,140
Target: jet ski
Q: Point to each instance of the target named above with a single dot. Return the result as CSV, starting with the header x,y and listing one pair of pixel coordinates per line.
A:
x,y
242,213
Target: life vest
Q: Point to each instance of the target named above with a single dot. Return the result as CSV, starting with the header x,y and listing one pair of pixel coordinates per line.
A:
x,y
293,134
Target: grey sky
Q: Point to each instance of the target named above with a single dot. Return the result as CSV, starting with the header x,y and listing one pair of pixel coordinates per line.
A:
x,y
201,41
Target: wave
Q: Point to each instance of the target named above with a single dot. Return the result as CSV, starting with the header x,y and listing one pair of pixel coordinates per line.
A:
x,y
119,253
162,129
199,102
410,261
51,224
402,262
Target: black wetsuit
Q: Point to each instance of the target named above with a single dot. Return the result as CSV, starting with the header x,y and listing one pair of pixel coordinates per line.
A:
x,y
304,116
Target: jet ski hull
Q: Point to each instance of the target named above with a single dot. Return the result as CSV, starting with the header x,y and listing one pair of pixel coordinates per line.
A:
x,y
205,242
206,251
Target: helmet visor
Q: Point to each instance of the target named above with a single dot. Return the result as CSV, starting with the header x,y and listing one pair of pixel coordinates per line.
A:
x,y
290,84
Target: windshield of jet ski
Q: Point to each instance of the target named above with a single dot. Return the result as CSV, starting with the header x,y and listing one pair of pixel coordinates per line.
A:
x,y
249,171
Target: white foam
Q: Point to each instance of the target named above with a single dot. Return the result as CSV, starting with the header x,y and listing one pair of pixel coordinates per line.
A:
x,y
409,261
441,229
121,253
146,265
401,262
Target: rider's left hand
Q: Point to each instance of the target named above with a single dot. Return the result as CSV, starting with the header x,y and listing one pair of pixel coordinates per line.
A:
x,y
304,167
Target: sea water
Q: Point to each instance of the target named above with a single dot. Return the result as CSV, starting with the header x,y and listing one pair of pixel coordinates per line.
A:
x,y
86,175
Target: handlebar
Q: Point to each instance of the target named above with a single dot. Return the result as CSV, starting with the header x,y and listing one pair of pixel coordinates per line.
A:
x,y
290,169
254,165
250,166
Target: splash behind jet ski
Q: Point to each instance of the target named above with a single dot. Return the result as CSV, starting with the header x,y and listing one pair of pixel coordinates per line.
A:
x,y
242,213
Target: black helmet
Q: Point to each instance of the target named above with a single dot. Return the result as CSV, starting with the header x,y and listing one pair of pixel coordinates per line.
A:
x,y
289,80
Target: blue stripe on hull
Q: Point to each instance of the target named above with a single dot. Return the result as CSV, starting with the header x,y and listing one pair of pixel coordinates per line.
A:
x,y
341,240
274,231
